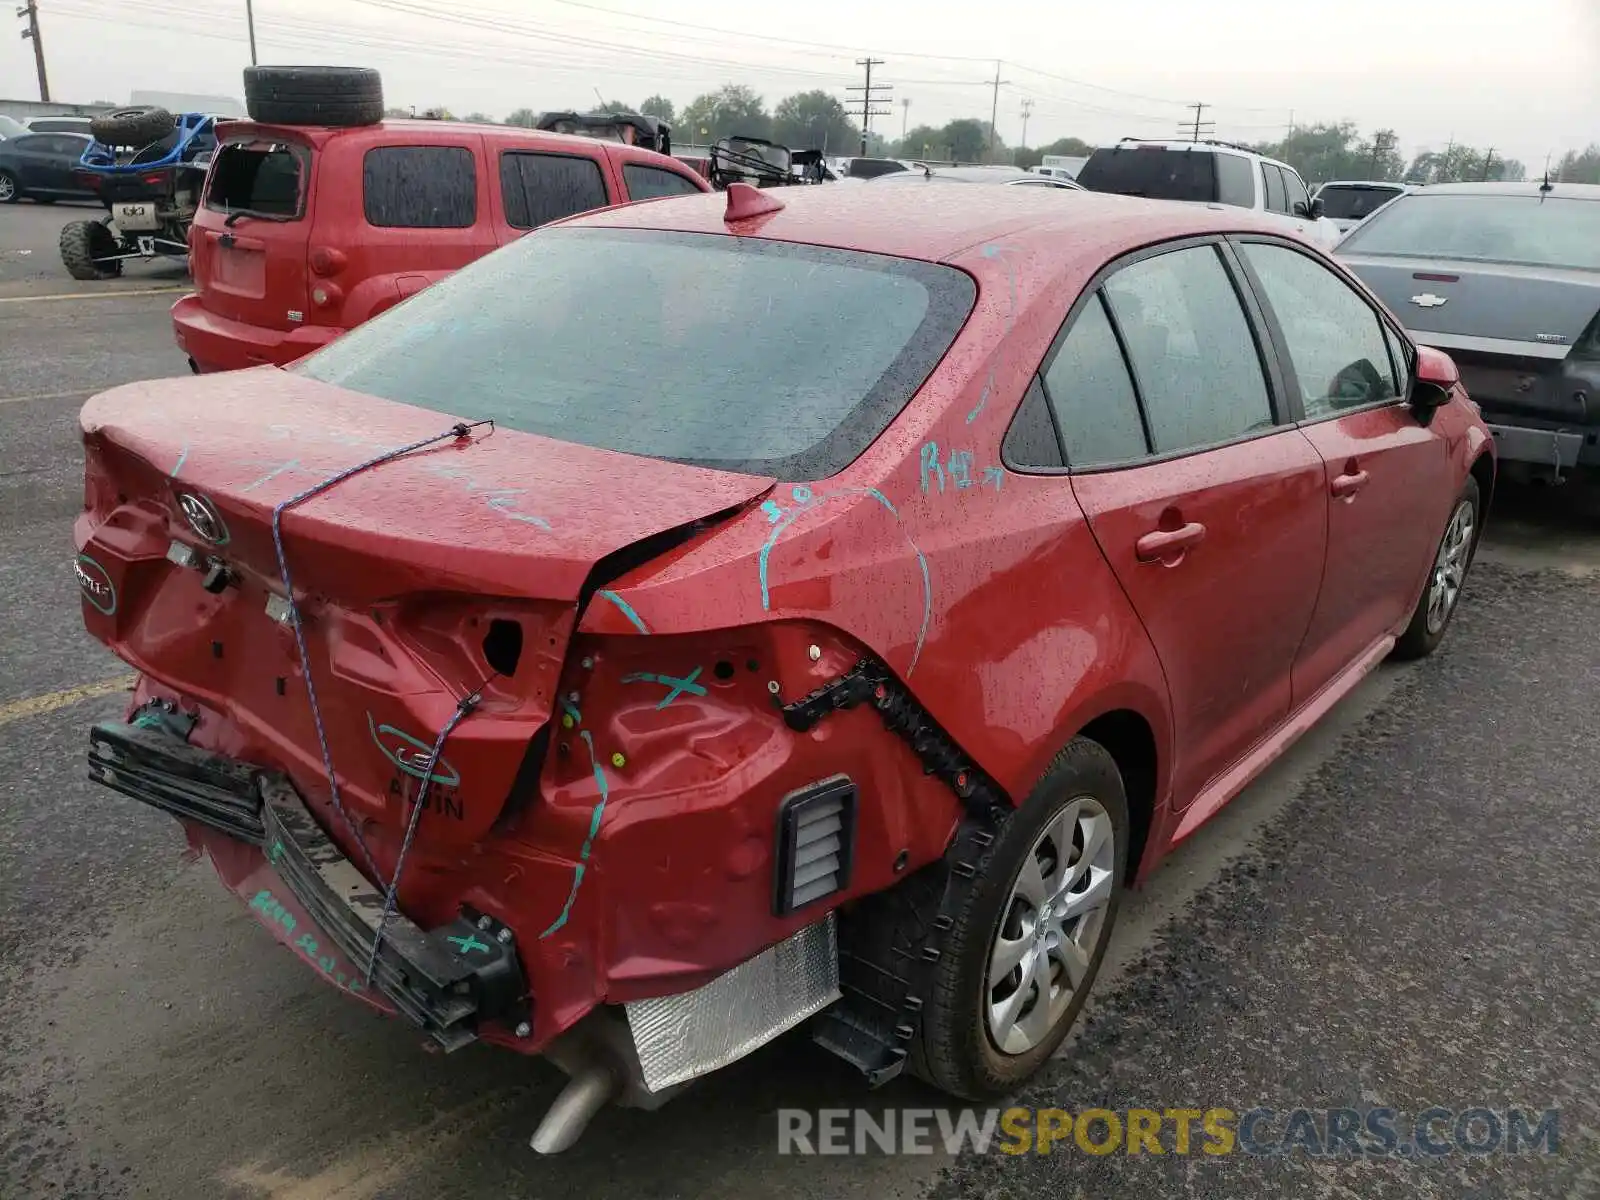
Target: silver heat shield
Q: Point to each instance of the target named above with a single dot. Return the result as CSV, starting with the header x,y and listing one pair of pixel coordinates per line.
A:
x,y
687,1035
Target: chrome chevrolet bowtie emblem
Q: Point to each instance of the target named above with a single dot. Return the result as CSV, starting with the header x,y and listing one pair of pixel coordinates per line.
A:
x,y
204,518
1429,300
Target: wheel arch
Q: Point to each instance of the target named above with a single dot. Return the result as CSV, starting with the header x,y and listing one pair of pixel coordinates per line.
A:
x,y
1128,737
1482,470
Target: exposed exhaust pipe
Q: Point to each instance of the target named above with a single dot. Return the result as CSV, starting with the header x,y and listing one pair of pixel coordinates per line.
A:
x,y
569,1115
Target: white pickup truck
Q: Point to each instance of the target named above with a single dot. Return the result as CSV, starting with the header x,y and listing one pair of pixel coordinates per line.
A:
x,y
1209,172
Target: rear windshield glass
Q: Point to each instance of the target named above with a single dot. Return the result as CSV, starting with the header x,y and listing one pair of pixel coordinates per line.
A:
x,y
1153,171
257,177
735,353
1553,232
1344,203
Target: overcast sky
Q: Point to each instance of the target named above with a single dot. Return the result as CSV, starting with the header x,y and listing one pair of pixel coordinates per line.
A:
x,y
1521,75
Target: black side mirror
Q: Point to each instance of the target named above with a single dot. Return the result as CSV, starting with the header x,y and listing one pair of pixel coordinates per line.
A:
x,y
1427,399
1311,210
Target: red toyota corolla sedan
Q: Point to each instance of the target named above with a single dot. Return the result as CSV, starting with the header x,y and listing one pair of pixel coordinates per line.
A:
x,y
817,604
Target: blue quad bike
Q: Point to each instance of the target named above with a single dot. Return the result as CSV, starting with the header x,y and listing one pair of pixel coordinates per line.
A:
x,y
148,167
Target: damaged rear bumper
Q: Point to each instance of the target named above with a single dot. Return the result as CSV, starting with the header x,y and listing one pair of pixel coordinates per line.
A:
x,y
447,981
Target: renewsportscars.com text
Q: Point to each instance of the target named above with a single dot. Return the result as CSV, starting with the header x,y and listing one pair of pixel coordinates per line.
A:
x,y
1259,1132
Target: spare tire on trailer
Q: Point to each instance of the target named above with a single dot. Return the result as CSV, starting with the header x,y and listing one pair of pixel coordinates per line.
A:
x,y
339,96
132,126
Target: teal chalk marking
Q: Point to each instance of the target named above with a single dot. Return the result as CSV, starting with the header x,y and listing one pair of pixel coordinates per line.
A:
x,y
676,687
281,468
801,494
469,943
816,502
566,909
588,842
994,475
627,610
993,251
443,773
183,457
571,710
773,511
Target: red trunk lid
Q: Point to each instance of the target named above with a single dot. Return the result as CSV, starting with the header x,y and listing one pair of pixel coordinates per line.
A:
x,y
416,579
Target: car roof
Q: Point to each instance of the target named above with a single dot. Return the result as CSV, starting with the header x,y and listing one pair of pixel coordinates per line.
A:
x,y
935,224
418,130
1531,187
1367,183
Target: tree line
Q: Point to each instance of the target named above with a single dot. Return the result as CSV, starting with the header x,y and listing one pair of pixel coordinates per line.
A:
x,y
818,120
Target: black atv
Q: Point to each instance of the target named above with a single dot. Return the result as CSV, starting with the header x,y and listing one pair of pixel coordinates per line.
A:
x,y
764,164
148,167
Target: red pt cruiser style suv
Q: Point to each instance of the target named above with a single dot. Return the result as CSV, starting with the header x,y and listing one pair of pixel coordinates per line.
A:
x,y
704,616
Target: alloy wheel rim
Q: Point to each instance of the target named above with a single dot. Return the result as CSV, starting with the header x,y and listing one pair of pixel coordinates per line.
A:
x,y
7,187
1051,926
1450,567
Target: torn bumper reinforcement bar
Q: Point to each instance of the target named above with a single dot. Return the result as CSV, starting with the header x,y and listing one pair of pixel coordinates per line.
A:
x,y
445,980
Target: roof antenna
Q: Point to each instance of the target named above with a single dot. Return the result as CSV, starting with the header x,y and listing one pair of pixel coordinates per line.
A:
x,y
1547,186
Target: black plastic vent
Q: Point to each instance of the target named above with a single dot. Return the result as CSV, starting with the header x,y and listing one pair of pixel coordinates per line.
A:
x,y
816,836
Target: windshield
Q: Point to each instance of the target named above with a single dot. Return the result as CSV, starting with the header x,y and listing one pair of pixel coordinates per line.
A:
x,y
1347,202
1153,171
730,352
1484,227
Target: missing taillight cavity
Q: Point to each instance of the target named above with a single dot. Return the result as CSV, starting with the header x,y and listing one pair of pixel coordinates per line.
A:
x,y
502,646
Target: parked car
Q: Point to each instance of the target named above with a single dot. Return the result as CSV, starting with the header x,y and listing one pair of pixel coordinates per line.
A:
x,y
60,124
1008,176
43,167
1209,172
1349,202
309,227
868,168
1506,277
703,691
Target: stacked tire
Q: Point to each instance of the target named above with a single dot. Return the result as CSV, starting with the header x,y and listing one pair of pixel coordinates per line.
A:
x,y
340,97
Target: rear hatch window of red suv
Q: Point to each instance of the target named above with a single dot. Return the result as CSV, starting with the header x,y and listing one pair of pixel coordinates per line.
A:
x,y
249,244
734,353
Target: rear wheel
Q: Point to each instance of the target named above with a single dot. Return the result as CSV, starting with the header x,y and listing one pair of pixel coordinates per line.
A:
x,y
1446,578
132,126
1024,951
339,96
84,247
10,190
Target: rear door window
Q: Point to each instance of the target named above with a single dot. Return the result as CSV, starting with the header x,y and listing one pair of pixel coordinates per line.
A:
x,y
1093,396
1193,353
539,188
1236,183
1277,199
647,183
262,178
420,187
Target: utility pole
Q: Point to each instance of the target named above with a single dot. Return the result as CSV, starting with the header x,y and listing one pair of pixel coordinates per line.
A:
x,y
1382,143
994,109
250,20
30,11
870,97
1027,111
1488,160
905,115
1199,125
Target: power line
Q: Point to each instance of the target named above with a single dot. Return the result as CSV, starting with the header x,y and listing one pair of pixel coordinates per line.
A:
x,y
30,11
869,97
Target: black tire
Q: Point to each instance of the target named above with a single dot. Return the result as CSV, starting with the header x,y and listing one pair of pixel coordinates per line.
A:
x,y
957,1053
82,242
338,96
10,188
132,126
1422,637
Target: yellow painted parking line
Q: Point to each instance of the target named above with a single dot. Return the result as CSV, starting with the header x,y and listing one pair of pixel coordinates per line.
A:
x,y
33,706
112,295
81,392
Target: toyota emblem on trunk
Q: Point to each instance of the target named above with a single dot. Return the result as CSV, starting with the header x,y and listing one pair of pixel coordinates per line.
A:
x,y
1429,300
204,518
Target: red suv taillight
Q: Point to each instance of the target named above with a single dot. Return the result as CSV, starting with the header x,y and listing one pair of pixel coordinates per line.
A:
x,y
327,261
